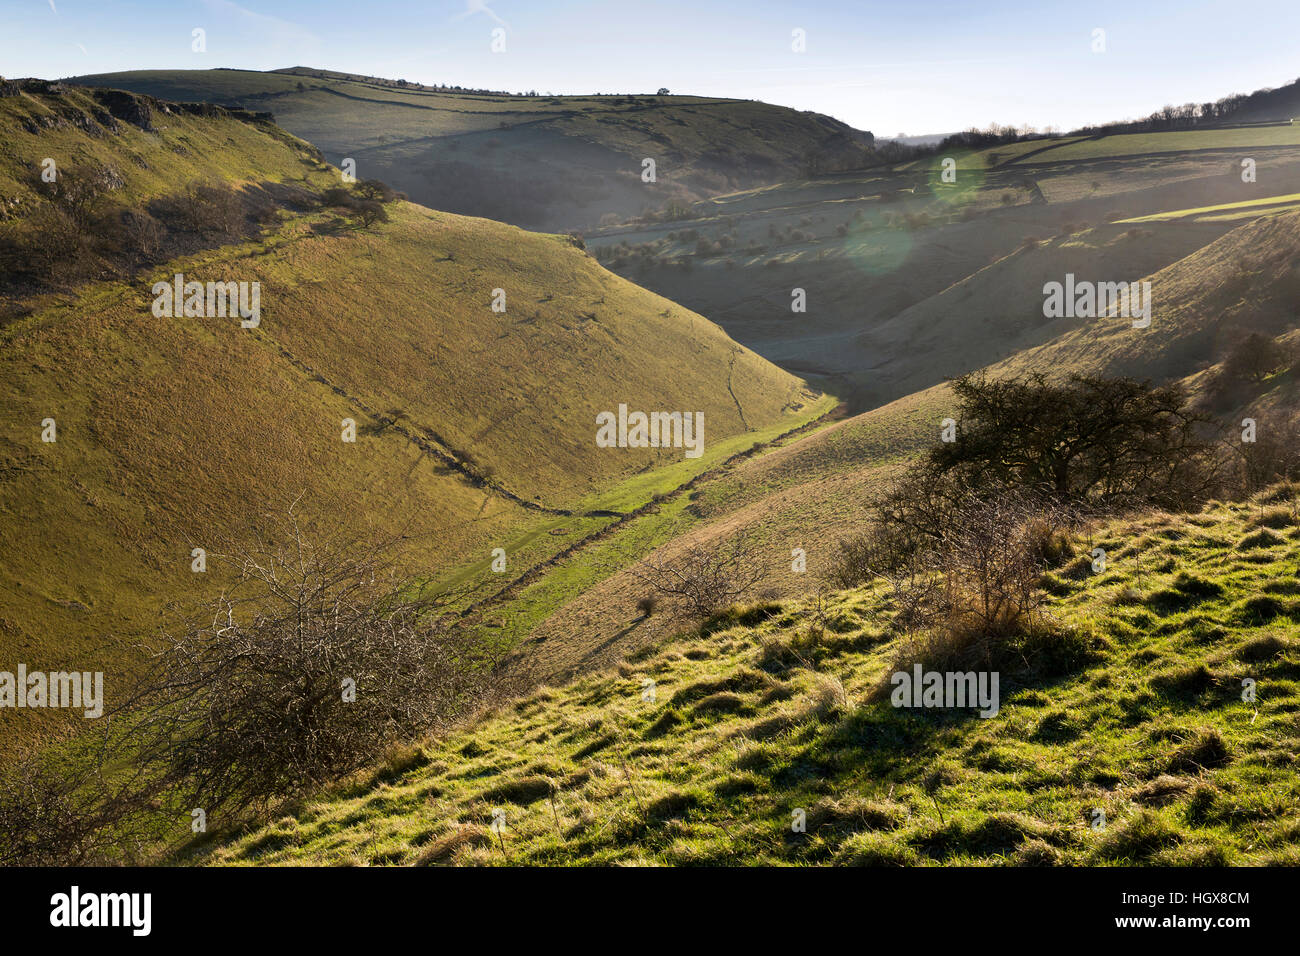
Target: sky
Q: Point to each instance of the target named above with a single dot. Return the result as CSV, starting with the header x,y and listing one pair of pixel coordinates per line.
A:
x,y
907,66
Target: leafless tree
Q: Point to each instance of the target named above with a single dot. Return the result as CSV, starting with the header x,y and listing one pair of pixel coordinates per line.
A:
x,y
369,211
319,655
702,578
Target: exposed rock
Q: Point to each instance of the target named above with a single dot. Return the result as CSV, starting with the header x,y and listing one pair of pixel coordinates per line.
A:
x,y
106,120
201,109
133,109
44,87
78,118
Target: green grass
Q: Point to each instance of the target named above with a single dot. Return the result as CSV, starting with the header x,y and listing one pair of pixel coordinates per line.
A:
x,y
765,713
658,510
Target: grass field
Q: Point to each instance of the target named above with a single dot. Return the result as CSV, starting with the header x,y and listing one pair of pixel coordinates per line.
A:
x,y
1244,209
1154,144
769,711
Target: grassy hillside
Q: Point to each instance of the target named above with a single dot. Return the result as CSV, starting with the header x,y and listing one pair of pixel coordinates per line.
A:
x,y
476,429
807,493
152,146
549,162
772,710
1245,281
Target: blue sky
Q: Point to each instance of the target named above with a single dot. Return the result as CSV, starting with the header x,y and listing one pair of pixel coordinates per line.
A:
x,y
914,66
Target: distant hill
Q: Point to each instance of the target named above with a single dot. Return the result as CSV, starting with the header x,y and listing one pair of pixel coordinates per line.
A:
x,y
544,162
911,277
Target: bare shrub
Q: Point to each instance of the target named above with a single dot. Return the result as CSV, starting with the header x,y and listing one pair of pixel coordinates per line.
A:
x,y
338,197
858,560
989,561
971,598
913,514
49,247
886,549
206,209
1254,358
81,191
61,809
702,578
140,235
1274,455
252,704
310,665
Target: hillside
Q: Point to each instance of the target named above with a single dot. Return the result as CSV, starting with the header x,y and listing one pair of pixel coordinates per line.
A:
x,y
154,146
476,431
1247,280
543,162
807,492
181,432
770,711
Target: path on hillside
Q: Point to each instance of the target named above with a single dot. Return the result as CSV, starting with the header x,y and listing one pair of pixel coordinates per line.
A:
x,y
537,571
429,441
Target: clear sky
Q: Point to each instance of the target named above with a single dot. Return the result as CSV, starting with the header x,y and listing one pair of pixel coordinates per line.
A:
x,y
914,66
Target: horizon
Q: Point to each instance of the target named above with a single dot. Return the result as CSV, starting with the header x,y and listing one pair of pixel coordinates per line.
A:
x,y
954,68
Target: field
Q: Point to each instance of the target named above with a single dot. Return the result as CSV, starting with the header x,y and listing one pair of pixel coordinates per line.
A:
x,y
1227,211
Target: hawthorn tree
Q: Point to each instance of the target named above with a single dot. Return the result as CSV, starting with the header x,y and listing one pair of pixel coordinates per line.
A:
x,y
370,211
1082,437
